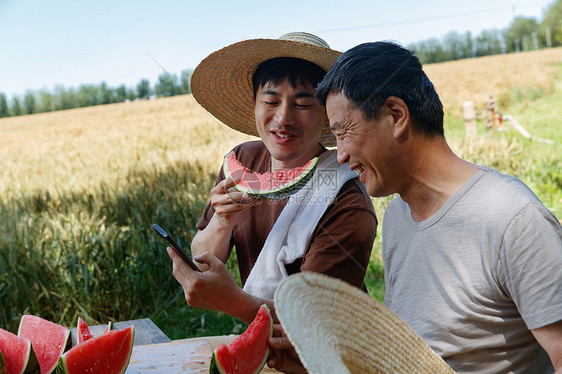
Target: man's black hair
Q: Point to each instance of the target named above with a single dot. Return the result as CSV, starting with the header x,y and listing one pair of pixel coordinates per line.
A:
x,y
297,71
371,72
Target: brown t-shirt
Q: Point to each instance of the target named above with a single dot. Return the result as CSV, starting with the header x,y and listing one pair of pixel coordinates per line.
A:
x,y
341,244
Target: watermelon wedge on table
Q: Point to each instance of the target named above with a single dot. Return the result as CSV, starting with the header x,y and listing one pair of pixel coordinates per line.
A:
x,y
105,354
248,353
19,357
277,184
48,339
83,331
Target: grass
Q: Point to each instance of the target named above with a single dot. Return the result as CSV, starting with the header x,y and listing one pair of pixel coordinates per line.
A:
x,y
80,189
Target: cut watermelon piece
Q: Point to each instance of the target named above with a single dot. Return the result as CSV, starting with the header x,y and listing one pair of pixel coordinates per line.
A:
x,y
82,331
248,353
48,339
18,354
105,354
278,184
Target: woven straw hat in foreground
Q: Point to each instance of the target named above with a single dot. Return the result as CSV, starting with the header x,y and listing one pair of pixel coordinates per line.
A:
x,y
222,82
337,328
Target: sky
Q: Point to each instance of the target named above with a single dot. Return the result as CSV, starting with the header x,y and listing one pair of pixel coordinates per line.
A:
x,y
45,43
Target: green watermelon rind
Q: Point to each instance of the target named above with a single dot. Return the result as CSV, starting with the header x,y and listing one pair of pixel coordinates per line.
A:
x,y
2,363
215,368
280,192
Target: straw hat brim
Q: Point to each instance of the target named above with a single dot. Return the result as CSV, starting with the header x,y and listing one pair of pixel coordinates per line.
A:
x,y
337,328
222,82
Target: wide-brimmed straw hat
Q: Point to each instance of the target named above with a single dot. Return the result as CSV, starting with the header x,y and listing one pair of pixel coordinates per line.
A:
x,y
222,82
337,328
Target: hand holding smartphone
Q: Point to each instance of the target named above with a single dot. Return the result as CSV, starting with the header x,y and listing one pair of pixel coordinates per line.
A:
x,y
175,246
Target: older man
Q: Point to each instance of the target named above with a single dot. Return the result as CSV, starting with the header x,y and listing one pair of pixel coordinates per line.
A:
x,y
473,259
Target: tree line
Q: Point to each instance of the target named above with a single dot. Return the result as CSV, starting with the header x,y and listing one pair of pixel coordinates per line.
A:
x,y
91,94
523,34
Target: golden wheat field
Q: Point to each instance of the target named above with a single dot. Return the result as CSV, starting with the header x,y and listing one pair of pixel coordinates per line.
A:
x,y
77,149
475,79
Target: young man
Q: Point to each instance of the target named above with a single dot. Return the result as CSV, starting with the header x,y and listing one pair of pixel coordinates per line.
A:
x,y
265,87
473,259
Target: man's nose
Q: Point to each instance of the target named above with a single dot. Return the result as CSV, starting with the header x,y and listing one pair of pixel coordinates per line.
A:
x,y
284,115
343,156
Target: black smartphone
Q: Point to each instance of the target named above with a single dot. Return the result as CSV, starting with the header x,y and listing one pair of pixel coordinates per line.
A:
x,y
175,246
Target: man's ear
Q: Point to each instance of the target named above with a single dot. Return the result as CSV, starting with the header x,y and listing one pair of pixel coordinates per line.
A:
x,y
400,113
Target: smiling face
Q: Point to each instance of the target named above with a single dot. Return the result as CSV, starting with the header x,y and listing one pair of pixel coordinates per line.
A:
x,y
289,121
367,146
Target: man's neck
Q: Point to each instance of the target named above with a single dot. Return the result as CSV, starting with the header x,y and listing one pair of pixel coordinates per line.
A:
x,y
435,175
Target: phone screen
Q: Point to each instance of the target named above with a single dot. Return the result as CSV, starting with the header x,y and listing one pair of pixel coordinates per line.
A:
x,y
175,247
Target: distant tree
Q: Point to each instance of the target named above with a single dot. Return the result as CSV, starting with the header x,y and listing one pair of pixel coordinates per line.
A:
x,y
488,42
186,81
46,102
429,51
65,98
29,102
553,22
143,89
106,94
121,93
453,46
16,106
3,105
87,95
518,36
167,86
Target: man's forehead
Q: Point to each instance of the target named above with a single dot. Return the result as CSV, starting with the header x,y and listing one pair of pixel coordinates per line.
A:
x,y
275,88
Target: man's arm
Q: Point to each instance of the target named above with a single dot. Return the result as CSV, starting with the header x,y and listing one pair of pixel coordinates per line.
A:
x,y
550,338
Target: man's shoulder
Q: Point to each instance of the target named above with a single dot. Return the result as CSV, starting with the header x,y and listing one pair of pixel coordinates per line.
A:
x,y
353,194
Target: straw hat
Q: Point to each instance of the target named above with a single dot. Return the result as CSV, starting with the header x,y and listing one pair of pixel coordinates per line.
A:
x,y
222,82
337,328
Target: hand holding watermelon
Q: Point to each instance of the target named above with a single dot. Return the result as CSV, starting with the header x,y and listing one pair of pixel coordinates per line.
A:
x,y
283,356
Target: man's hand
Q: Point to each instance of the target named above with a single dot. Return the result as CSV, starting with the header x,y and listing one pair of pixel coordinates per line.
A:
x,y
228,202
215,288
283,356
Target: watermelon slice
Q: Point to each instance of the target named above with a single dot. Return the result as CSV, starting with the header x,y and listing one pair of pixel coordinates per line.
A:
x,y
48,339
248,353
18,354
278,184
83,331
105,354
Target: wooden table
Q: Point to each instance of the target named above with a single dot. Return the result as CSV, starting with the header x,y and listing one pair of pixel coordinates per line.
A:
x,y
191,356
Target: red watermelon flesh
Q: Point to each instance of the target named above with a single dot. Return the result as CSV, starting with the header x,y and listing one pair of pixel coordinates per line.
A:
x,y
82,331
277,184
18,354
105,354
48,339
248,353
